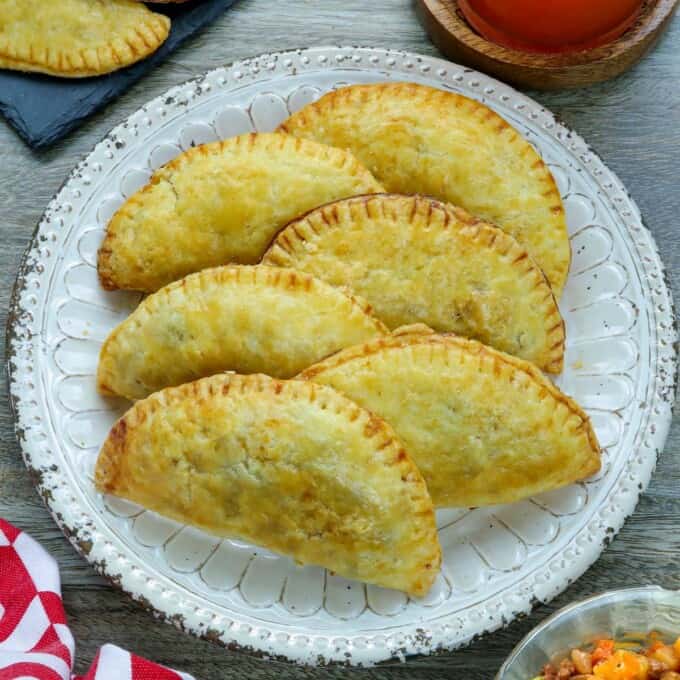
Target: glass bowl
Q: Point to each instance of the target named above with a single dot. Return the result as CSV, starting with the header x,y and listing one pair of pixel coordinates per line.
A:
x,y
630,614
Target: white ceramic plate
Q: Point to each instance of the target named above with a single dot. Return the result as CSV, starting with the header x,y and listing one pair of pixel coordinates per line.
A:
x,y
498,561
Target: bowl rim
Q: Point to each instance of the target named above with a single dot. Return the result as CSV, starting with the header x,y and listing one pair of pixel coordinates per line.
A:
x,y
568,609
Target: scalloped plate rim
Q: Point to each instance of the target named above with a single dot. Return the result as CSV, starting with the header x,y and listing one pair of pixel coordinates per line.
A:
x,y
421,642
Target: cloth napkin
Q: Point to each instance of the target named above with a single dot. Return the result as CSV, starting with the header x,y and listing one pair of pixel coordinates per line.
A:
x,y
35,642
43,109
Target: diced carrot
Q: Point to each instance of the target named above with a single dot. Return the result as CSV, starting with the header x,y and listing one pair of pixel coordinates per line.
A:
x,y
622,665
676,646
654,646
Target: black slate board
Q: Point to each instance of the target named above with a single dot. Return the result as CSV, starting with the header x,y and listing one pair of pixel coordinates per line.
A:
x,y
44,109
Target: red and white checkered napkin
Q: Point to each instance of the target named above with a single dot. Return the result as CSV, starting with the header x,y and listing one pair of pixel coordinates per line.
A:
x,y
35,642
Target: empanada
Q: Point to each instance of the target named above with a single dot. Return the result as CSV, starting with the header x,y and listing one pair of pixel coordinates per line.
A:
x,y
220,203
482,426
77,38
416,139
240,318
417,260
292,466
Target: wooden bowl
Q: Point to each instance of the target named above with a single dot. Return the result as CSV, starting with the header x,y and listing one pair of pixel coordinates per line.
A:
x,y
456,39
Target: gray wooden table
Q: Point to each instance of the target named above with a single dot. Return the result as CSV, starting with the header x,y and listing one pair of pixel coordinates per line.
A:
x,y
633,122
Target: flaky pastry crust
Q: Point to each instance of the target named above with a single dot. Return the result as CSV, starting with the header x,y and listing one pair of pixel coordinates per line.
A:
x,y
77,38
418,260
417,139
483,427
222,203
248,319
292,466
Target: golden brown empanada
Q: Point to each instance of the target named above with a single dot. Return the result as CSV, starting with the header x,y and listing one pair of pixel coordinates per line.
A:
x,y
240,318
416,139
417,260
292,466
482,426
77,38
222,202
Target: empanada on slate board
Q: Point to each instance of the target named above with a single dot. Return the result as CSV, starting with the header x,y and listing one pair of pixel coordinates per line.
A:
x,y
77,38
222,203
416,260
292,466
417,139
248,319
483,427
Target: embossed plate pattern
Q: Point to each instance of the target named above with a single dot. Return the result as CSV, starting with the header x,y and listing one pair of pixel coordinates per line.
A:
x,y
620,366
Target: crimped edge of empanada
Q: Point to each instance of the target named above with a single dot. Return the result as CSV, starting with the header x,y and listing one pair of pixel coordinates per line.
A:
x,y
275,277
107,469
302,230
414,92
261,141
119,52
418,334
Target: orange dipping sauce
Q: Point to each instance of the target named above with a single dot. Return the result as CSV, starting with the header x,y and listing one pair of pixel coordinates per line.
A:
x,y
550,26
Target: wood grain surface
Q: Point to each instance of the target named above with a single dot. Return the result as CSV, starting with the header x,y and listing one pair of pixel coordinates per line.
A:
x,y
633,122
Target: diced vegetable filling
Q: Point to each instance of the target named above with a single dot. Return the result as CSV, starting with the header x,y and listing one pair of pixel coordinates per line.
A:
x,y
611,661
